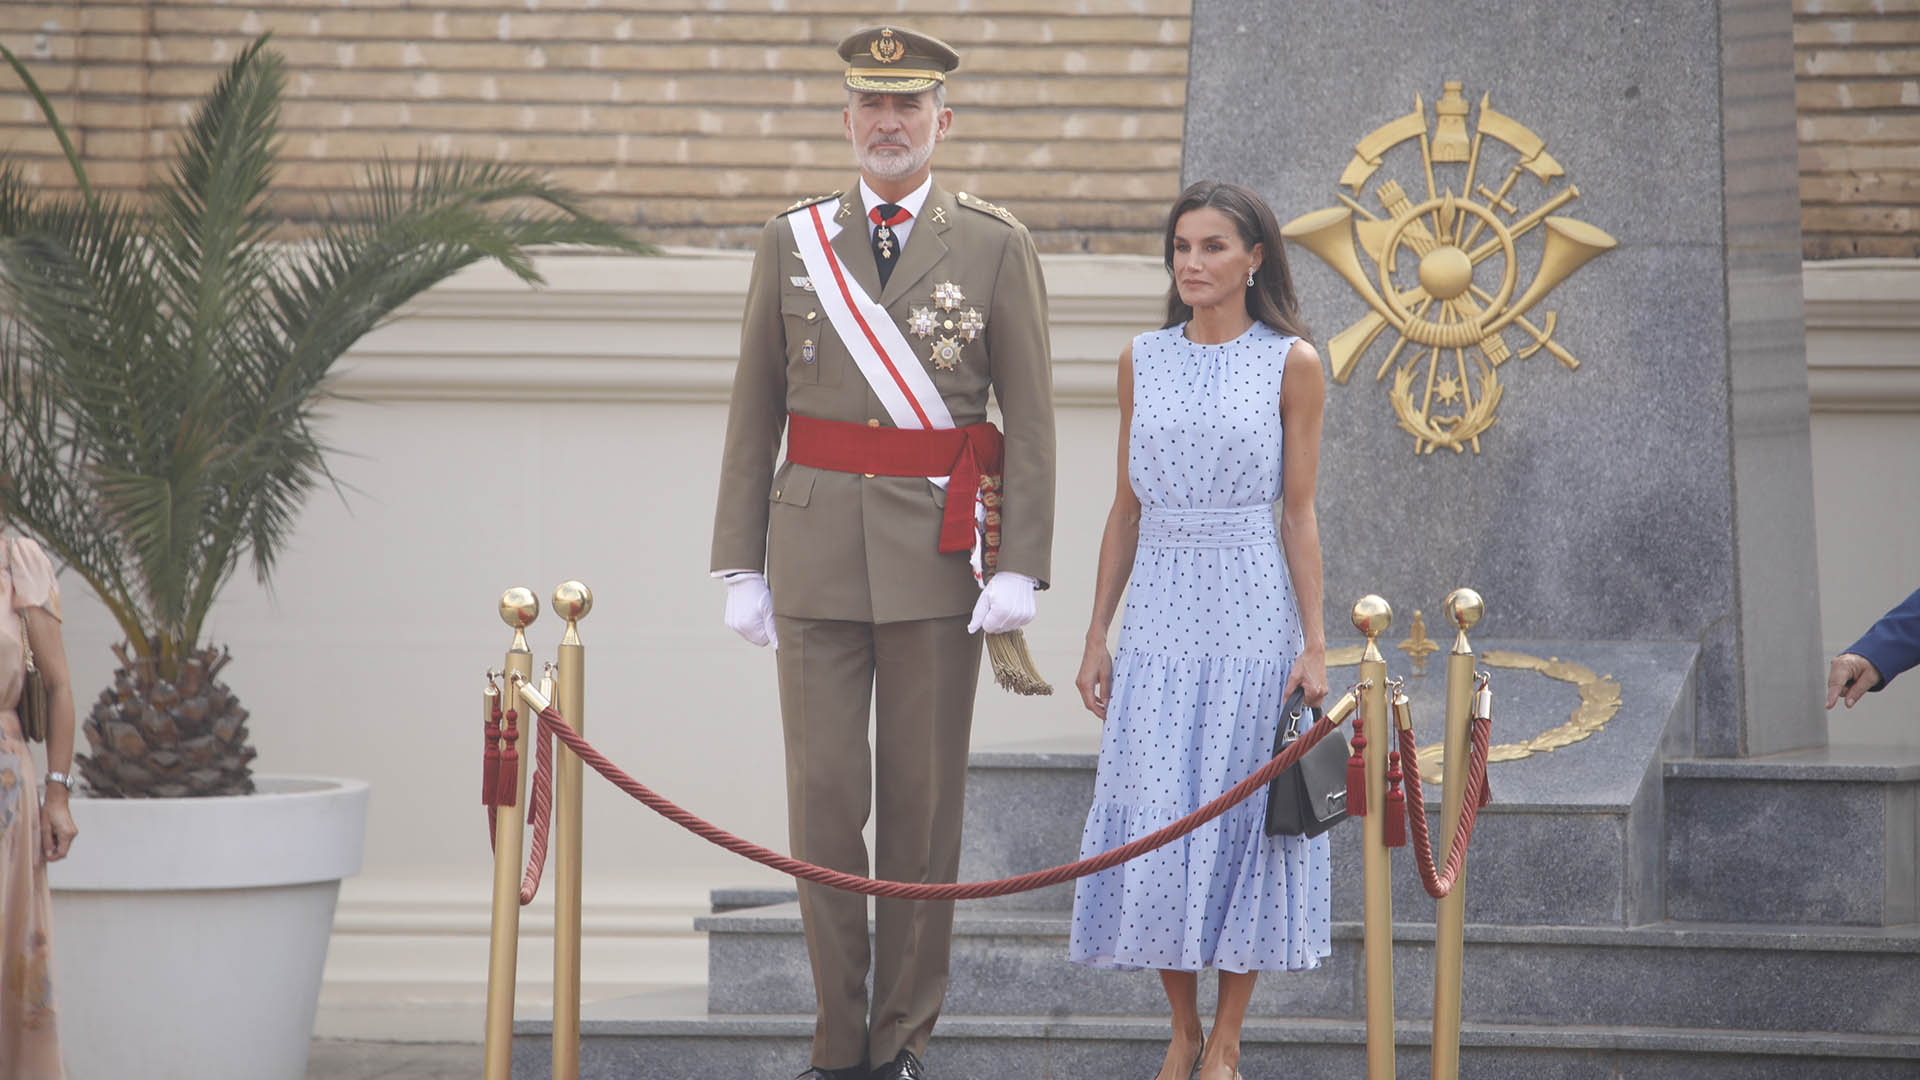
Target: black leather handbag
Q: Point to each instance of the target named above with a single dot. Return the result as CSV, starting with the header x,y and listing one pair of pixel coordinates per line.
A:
x,y
1311,796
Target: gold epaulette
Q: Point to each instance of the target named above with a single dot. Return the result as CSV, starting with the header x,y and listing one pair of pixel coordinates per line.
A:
x,y
975,202
811,201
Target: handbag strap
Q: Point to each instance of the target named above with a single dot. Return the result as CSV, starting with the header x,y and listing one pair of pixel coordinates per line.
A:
x,y
26,643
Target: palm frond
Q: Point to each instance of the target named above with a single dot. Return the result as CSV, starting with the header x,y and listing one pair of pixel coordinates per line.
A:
x,y
53,122
163,372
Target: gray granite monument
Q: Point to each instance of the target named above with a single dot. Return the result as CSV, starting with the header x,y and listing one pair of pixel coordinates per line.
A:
x,y
1660,490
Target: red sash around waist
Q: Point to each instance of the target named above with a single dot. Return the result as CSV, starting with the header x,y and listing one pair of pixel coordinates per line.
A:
x,y
963,455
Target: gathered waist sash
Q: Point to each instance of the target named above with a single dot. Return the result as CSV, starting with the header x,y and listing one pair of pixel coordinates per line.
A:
x,y
961,455
1213,527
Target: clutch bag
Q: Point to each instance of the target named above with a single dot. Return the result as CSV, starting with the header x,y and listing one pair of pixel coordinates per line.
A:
x,y
1310,797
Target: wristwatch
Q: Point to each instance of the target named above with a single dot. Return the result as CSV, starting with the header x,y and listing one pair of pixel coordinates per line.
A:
x,y
55,776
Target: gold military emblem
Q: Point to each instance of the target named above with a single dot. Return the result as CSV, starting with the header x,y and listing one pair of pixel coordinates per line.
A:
x,y
886,48
1445,392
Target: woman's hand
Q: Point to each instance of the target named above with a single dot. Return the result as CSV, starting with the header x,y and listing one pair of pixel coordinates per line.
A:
x,y
57,829
1310,674
1095,680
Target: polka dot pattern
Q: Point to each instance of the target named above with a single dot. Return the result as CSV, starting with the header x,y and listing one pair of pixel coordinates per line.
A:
x,y
1209,633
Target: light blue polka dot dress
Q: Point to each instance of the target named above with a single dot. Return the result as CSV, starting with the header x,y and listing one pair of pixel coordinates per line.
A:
x,y
1208,635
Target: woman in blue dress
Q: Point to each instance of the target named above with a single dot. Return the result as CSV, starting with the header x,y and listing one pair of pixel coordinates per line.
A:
x,y
1220,419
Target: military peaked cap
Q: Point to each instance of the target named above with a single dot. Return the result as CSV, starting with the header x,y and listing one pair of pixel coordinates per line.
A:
x,y
893,60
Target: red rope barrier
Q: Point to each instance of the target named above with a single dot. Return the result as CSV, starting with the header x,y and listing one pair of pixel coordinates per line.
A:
x,y
551,722
1438,885
539,812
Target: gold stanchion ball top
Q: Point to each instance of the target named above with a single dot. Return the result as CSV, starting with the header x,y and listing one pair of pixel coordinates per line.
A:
x,y
519,607
1465,608
1372,615
572,600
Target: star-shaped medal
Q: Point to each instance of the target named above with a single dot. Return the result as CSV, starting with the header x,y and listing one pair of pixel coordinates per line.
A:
x,y
921,321
946,354
948,296
971,324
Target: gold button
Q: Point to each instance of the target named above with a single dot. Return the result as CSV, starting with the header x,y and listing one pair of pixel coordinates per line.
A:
x,y
812,315
872,423
867,475
776,493
949,324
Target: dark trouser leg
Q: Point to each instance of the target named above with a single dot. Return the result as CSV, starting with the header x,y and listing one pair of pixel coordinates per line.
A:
x,y
927,672
826,685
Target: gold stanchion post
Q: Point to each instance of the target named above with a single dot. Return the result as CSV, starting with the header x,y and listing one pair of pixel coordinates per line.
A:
x,y
571,601
1372,616
518,609
1464,607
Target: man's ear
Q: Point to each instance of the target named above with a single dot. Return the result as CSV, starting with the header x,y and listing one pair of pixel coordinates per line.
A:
x,y
943,125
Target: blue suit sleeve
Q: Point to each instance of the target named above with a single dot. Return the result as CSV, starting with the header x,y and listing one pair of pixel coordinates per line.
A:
x,y
1892,645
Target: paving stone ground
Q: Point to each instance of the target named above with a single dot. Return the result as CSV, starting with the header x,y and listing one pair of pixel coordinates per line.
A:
x,y
339,1059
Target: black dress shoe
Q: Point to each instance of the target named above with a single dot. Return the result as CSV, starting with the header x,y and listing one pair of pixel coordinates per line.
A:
x,y
851,1072
903,1067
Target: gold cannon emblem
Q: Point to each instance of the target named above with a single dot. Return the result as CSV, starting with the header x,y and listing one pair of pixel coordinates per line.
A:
x,y
1436,298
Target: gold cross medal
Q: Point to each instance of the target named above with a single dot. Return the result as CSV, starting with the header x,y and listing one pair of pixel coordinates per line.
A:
x,y
885,236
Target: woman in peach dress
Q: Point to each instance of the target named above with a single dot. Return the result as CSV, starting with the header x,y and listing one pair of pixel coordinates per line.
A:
x,y
31,832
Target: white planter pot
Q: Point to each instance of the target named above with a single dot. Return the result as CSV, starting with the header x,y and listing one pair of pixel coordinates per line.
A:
x,y
189,934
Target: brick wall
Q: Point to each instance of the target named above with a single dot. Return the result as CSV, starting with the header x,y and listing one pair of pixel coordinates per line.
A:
x,y
1858,92
695,126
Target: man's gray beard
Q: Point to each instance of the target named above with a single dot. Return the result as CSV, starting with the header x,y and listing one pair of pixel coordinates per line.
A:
x,y
888,167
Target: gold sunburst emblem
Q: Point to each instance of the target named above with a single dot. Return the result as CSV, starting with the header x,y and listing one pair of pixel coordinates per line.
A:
x,y
1426,282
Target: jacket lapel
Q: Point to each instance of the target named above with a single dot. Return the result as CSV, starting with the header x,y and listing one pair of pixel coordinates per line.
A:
x,y
926,246
852,246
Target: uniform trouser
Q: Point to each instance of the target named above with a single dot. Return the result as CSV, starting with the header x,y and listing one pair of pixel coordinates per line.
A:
x,y
919,680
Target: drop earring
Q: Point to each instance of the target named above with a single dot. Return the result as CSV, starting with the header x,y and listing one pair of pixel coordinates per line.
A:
x,y
1249,277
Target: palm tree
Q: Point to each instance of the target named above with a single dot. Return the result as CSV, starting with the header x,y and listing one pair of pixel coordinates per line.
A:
x,y
160,372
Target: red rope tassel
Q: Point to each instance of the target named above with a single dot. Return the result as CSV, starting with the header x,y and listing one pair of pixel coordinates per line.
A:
x,y
509,781
1357,772
490,764
1394,828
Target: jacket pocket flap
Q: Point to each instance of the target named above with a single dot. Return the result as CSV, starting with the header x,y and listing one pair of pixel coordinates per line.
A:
x,y
793,486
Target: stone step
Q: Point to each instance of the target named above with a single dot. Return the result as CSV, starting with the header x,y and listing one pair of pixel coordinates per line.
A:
x,y
1077,1048
1592,810
1825,837
1754,977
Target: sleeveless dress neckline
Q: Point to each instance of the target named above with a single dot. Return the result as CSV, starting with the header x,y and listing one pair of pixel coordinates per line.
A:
x,y
1209,634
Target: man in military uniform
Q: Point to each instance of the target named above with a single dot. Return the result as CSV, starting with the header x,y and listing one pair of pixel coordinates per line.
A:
x,y
877,320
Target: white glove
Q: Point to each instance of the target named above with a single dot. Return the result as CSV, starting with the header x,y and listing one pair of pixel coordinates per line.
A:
x,y
750,609
1005,604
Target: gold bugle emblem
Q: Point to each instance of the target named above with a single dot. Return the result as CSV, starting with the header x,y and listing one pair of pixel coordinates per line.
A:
x,y
1446,391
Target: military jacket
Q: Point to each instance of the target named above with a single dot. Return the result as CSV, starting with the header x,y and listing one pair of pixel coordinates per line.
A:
x,y
844,546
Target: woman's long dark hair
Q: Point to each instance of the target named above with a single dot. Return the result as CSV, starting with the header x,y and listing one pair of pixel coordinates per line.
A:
x,y
1270,299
